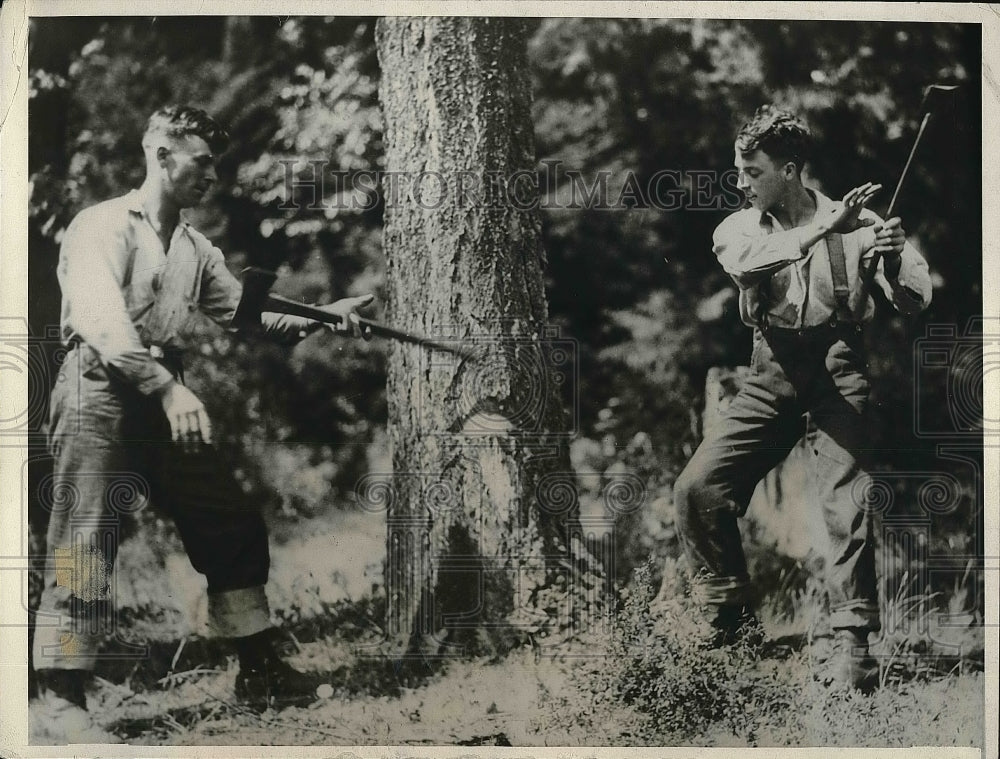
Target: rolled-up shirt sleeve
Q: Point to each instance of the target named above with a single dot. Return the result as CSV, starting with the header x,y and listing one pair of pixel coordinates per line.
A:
x,y
748,256
910,292
92,263
220,295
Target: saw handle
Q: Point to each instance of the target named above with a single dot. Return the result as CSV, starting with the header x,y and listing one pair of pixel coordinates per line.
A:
x,y
288,306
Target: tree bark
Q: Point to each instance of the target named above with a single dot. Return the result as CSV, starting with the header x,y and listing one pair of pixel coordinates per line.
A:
x,y
237,43
484,538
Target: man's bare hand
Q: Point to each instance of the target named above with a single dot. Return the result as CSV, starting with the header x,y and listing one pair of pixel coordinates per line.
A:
x,y
846,216
889,241
890,237
346,309
189,423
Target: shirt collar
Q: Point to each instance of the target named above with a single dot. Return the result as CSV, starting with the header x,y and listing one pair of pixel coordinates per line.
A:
x,y
823,203
133,200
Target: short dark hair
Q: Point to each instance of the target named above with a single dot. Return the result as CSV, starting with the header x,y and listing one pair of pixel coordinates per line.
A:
x,y
780,134
182,120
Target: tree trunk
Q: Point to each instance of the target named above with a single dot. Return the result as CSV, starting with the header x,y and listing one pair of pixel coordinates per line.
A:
x,y
482,509
237,45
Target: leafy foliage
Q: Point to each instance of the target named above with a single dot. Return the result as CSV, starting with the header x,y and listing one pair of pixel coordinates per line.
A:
x,y
656,685
657,661
637,287
95,82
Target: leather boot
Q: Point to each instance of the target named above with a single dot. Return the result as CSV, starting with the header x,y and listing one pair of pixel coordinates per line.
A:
x,y
735,624
59,716
850,665
265,681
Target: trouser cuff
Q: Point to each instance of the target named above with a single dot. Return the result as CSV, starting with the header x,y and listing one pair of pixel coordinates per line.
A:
x,y
723,591
55,648
860,614
238,613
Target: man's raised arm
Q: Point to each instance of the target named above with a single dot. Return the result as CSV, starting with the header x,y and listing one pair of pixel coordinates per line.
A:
x,y
221,291
220,294
749,255
902,272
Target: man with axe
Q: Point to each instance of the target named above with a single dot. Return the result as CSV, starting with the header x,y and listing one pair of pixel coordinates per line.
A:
x,y
801,262
124,427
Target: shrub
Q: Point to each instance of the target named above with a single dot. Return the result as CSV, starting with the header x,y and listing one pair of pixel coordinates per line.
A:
x,y
658,663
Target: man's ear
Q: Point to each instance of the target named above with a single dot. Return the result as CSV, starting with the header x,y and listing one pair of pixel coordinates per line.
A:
x,y
161,155
790,170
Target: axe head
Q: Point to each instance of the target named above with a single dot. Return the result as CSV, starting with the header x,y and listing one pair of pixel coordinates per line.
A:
x,y
937,97
256,286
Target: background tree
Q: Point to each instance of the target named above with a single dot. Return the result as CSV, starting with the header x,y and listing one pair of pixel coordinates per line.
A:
x,y
477,446
636,288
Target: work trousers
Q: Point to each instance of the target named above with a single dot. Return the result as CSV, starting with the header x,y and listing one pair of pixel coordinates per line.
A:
x,y
113,455
820,371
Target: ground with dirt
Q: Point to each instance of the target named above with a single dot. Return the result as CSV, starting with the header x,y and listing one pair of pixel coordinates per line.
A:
x,y
637,679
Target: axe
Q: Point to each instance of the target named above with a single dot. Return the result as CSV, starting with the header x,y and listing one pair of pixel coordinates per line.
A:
x,y
257,298
936,96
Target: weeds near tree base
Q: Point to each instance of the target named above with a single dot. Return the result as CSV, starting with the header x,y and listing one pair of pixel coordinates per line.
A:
x,y
660,685
659,664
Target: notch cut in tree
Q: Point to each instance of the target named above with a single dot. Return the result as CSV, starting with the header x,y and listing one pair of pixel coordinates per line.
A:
x,y
485,544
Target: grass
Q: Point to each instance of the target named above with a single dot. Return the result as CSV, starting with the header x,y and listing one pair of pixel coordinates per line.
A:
x,y
647,682
644,680
660,687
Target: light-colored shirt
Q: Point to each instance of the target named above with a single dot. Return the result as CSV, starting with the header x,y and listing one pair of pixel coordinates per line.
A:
x,y
799,291
122,293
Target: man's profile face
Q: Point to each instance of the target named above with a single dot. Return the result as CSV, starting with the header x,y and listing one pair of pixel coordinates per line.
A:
x,y
762,179
188,170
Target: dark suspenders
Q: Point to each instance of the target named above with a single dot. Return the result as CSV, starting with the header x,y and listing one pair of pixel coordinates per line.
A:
x,y
838,272
841,288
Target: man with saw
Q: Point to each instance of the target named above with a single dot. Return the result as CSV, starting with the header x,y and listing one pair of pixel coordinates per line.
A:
x,y
124,425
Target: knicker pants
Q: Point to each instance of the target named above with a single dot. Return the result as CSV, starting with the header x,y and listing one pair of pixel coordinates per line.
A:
x,y
820,371
114,454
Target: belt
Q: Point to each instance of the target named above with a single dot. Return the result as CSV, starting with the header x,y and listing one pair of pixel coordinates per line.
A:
x,y
172,358
832,328
160,353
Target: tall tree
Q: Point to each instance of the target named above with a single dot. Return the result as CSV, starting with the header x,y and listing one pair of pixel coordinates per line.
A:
x,y
482,513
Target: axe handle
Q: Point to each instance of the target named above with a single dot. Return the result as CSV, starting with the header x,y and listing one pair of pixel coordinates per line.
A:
x,y
868,274
906,168
287,306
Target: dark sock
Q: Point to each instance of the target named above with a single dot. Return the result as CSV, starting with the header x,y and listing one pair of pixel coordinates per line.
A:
x,y
255,651
66,683
733,616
